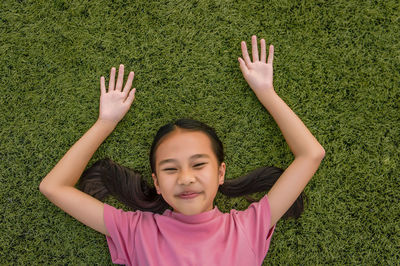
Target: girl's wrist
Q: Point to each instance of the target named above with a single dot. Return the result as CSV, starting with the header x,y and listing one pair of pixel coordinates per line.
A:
x,y
106,124
266,96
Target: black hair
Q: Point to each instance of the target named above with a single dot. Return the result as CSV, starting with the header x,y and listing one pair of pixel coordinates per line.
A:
x,y
106,177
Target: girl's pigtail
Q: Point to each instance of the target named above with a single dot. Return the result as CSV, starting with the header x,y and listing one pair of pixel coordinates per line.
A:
x,y
259,180
106,177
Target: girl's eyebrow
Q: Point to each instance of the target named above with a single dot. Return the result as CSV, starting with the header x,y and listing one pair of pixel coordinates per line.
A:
x,y
191,157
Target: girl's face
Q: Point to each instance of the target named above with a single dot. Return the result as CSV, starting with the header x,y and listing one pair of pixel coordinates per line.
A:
x,y
185,161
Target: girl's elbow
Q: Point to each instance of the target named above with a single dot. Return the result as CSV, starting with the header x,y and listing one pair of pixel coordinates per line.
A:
x,y
320,154
42,188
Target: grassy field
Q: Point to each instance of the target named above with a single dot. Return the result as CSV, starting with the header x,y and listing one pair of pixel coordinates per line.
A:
x,y
336,65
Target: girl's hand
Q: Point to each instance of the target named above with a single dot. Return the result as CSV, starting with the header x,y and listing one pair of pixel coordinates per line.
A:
x,y
115,103
258,74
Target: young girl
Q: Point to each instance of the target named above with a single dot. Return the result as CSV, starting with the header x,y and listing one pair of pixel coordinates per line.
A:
x,y
175,222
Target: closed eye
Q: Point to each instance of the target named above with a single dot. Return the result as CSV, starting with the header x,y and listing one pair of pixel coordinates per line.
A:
x,y
172,169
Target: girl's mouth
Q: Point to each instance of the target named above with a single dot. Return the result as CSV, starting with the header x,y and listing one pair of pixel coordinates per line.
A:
x,y
188,196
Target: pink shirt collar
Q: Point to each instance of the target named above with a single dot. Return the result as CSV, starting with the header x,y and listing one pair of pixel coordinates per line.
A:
x,y
196,218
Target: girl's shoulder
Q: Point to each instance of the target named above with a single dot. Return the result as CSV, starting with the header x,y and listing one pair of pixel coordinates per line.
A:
x,y
257,213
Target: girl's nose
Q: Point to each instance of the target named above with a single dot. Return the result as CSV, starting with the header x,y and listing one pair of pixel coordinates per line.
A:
x,y
186,177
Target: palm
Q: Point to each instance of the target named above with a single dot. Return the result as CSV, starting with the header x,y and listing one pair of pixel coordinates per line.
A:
x,y
259,73
115,103
112,107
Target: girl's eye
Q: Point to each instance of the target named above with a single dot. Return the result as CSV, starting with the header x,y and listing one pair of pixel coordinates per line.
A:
x,y
199,164
173,169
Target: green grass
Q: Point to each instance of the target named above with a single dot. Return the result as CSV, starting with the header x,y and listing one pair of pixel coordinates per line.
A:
x,y
336,65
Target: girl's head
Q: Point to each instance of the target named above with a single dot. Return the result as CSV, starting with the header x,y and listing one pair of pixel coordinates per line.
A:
x,y
177,167
187,156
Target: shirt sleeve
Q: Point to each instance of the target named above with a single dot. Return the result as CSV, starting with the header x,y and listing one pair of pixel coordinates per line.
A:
x,y
121,226
255,222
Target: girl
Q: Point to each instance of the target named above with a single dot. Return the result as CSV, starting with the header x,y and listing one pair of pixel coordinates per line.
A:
x,y
175,222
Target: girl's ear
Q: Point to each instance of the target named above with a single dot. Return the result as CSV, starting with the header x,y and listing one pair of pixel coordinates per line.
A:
x,y
221,175
155,180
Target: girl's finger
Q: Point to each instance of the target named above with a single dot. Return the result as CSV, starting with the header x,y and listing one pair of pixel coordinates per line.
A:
x,y
243,66
120,79
112,80
271,54
263,52
102,86
254,48
131,97
128,83
245,53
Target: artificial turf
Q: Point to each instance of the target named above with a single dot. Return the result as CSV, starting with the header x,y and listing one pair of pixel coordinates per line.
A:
x,y
336,65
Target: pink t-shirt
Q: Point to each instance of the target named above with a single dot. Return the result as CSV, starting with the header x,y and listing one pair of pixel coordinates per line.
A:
x,y
208,238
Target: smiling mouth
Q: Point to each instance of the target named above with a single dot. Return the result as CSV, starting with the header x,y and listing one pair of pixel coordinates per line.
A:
x,y
188,196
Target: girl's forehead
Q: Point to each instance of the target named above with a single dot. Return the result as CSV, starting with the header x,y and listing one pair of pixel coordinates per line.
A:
x,y
184,143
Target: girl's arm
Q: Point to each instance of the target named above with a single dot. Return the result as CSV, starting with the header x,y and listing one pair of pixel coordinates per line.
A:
x,y
306,149
58,185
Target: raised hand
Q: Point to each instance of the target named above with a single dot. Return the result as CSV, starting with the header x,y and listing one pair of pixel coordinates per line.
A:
x,y
115,103
259,73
